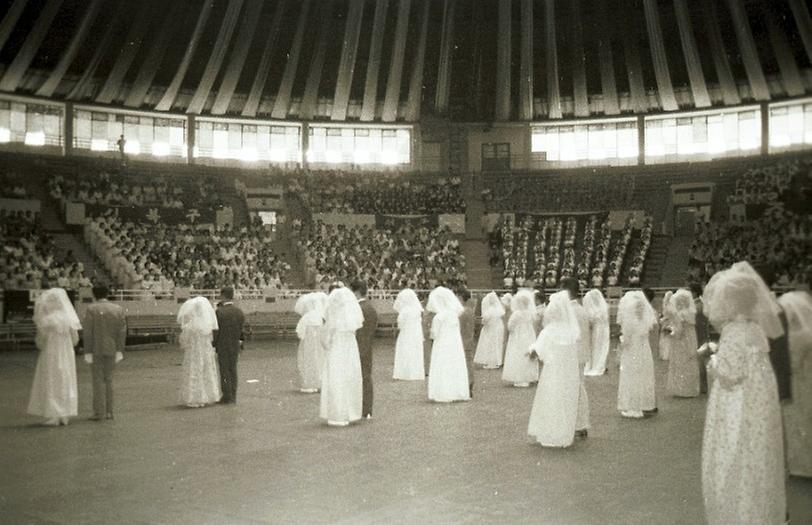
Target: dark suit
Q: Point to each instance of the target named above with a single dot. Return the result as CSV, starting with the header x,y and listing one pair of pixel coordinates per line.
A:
x,y
104,331
230,321
779,357
702,328
364,337
467,332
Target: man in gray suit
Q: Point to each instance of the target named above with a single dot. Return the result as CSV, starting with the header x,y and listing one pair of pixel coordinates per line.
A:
x,y
365,336
104,332
228,343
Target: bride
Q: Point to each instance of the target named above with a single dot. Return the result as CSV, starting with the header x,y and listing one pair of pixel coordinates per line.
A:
x,y
54,394
200,384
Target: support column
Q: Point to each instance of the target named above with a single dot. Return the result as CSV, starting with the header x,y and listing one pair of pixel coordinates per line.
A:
x,y
191,138
67,130
765,128
304,140
641,140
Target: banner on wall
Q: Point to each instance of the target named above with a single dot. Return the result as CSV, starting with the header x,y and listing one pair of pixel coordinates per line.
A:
x,y
20,204
156,215
345,219
454,221
393,222
264,198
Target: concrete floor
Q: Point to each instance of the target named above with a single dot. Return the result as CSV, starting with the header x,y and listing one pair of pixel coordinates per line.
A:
x,y
270,459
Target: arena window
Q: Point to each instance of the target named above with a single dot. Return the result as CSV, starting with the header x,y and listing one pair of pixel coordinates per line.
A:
x,y
247,141
690,136
359,145
33,124
582,143
143,134
790,125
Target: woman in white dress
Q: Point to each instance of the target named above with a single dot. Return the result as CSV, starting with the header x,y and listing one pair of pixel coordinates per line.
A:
x,y
683,362
200,384
798,414
54,393
555,407
742,449
520,369
491,342
598,313
448,373
341,382
409,363
310,356
666,316
635,392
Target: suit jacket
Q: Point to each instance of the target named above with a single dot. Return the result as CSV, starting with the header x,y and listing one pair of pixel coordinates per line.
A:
x,y
230,322
366,333
702,326
104,329
584,342
467,331
779,357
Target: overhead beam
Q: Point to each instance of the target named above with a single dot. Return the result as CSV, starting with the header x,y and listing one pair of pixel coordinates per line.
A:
x,y
634,68
416,83
168,98
311,93
579,89
611,105
14,74
699,89
58,73
800,11
346,65
126,55
10,20
526,63
503,52
790,75
281,103
665,88
444,62
149,67
239,53
79,88
724,74
393,80
551,53
370,102
216,58
258,85
749,53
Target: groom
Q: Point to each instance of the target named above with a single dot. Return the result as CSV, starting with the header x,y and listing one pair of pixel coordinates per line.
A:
x,y
364,337
228,343
104,332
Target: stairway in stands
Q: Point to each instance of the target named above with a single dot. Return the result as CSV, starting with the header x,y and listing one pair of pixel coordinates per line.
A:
x,y
656,260
675,268
475,244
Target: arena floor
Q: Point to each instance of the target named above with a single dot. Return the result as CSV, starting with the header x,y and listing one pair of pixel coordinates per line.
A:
x,y
269,459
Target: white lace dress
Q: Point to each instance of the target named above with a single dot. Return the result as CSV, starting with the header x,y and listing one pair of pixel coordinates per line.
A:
x,y
635,391
519,366
200,382
448,372
409,363
491,342
742,450
54,392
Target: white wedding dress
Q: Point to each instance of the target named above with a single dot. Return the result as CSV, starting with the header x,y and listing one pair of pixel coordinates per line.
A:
x,y
200,376
491,342
341,381
448,373
54,393
409,363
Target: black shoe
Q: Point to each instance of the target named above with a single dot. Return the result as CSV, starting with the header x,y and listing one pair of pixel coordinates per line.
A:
x,y
581,433
649,413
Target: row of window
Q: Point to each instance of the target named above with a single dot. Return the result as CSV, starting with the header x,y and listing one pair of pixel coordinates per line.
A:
x,y
698,135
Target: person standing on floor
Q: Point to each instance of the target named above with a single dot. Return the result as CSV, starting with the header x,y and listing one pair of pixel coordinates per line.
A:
x,y
341,384
409,364
597,312
635,391
467,322
666,318
555,406
743,448
54,394
702,335
520,369
572,286
448,374
310,355
654,333
103,336
365,337
492,336
683,364
228,343
200,383
797,307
